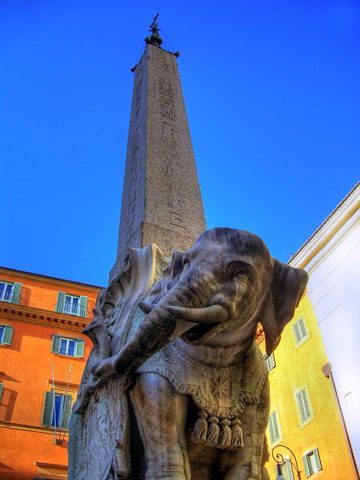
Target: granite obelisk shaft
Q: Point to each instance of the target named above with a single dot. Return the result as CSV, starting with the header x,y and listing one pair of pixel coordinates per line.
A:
x,y
161,200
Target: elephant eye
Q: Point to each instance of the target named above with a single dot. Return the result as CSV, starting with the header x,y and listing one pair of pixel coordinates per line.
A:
x,y
242,275
185,262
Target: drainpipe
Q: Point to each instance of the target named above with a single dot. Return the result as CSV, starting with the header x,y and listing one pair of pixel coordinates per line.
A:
x,y
326,369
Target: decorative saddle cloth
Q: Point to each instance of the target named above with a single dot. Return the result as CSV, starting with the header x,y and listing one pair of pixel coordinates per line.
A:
x,y
220,392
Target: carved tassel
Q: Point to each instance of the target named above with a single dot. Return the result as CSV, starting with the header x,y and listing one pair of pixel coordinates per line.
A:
x,y
225,433
200,429
213,432
236,433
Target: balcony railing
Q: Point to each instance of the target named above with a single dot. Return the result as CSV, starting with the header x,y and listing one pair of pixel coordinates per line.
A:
x,y
71,309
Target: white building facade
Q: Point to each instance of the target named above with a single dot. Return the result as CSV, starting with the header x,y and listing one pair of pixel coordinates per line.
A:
x,y
332,259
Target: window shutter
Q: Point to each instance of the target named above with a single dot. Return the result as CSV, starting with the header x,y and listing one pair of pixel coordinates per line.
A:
x,y
7,335
79,349
306,466
271,361
306,405
83,306
48,408
66,408
60,303
1,390
15,293
289,470
271,429
317,459
297,333
301,406
55,345
302,328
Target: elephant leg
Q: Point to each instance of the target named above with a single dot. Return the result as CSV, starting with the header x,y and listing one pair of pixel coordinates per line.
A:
x,y
161,416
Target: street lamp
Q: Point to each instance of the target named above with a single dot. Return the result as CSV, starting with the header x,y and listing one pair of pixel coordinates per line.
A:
x,y
279,459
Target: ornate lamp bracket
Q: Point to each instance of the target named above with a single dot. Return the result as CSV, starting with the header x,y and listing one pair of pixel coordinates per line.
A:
x,y
279,459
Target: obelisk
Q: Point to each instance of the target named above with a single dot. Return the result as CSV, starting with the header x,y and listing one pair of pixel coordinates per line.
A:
x,y
161,200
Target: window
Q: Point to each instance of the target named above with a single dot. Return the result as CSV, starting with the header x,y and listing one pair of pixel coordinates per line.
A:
x,y
1,390
274,427
285,469
71,304
56,411
304,406
5,334
270,361
300,331
312,462
73,347
10,292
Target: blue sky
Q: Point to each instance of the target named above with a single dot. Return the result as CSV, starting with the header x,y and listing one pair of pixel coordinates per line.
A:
x,y
272,97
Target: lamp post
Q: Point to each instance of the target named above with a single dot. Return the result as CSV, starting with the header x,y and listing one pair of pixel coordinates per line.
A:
x,y
279,459
328,374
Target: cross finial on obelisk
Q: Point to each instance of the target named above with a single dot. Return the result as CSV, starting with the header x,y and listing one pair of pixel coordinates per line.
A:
x,y
161,201
155,38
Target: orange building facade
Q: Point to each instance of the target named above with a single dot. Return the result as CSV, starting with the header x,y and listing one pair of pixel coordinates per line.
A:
x,y
42,357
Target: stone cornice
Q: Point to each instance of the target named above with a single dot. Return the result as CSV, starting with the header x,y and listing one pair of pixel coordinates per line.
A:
x,y
45,318
328,229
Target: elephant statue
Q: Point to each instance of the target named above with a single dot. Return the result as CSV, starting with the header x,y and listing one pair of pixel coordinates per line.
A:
x,y
199,386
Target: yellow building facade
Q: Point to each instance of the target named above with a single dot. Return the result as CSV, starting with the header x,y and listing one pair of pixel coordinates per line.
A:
x,y
303,410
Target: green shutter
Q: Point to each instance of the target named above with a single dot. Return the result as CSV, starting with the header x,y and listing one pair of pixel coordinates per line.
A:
x,y
289,470
297,332
55,345
48,409
302,328
274,427
317,459
306,405
79,348
15,293
7,335
60,303
83,306
1,390
307,467
271,360
65,410
303,405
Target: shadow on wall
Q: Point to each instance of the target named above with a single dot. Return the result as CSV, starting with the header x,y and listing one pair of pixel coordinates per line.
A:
x,y
7,404
25,296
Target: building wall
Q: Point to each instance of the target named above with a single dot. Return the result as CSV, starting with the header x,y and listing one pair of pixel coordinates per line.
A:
x,y
298,367
332,259
28,448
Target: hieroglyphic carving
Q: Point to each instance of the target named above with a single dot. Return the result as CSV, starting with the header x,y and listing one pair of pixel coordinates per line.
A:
x,y
169,142
165,87
163,62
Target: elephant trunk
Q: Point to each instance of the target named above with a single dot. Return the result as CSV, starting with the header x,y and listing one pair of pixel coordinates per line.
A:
x,y
166,321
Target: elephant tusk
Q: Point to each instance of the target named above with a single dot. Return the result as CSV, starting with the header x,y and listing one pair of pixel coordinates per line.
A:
x,y
211,314
146,307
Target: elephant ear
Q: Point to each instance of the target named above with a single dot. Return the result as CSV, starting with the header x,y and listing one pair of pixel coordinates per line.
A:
x,y
287,286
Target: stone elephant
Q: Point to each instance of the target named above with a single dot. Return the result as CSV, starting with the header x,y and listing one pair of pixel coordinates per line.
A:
x,y
200,390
